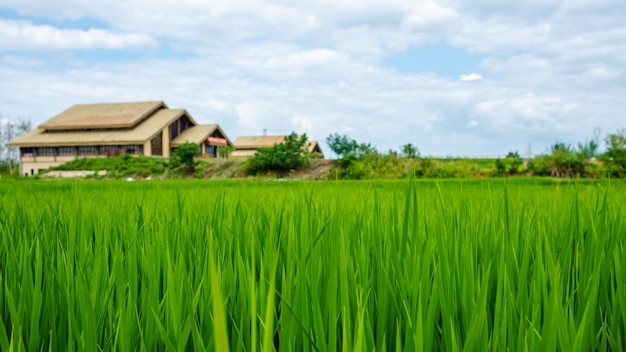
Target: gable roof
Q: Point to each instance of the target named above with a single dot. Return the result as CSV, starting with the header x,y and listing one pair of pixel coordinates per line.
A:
x,y
143,132
246,145
255,142
107,115
197,134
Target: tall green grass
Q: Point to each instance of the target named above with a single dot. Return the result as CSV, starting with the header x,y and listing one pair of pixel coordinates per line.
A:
x,y
256,266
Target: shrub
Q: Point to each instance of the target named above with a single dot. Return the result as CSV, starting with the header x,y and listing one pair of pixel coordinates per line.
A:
x,y
120,166
509,165
561,163
283,157
615,157
183,158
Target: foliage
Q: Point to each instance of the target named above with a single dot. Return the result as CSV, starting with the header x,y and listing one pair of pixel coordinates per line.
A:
x,y
588,149
283,157
121,166
225,151
348,149
563,161
410,151
560,147
509,165
182,158
453,168
386,166
615,156
6,173
471,265
9,130
373,166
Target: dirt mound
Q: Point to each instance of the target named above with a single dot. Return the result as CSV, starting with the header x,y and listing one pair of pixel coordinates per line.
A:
x,y
317,170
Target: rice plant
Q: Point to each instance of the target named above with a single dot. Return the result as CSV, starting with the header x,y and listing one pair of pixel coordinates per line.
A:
x,y
354,266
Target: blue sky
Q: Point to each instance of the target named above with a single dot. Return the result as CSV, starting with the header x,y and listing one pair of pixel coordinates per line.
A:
x,y
438,58
455,78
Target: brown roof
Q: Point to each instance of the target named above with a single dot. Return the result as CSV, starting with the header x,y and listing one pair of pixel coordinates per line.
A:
x,y
138,135
108,115
198,134
246,143
255,142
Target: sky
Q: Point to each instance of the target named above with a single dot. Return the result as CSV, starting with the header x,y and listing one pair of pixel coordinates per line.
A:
x,y
473,78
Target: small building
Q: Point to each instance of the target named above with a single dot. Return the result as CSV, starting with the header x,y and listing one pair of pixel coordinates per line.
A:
x,y
246,146
110,129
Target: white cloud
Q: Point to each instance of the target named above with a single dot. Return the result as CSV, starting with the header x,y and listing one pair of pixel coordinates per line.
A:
x,y
319,66
304,59
25,35
302,124
429,16
471,77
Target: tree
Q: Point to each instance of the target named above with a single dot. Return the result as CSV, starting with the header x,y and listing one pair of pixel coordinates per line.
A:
x,y
589,149
9,130
225,150
341,145
509,165
615,156
410,151
183,157
616,140
348,149
560,147
562,161
291,154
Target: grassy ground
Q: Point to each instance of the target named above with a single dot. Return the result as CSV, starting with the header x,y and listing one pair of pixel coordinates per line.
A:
x,y
375,167
518,264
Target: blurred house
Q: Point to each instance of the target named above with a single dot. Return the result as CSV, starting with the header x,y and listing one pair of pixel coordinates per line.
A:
x,y
246,146
101,130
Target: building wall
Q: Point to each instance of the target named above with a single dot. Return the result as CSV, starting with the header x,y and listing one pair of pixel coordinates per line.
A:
x,y
33,167
31,164
166,141
147,148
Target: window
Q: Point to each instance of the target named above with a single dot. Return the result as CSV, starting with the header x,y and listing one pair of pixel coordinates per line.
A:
x,y
45,151
27,152
104,149
157,145
211,150
88,150
132,149
67,151
178,126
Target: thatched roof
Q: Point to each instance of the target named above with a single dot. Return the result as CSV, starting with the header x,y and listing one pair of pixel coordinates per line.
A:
x,y
255,142
138,135
247,145
197,134
108,115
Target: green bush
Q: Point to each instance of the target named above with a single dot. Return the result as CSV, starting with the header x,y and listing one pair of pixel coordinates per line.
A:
x,y
283,157
121,166
560,163
509,165
615,157
182,159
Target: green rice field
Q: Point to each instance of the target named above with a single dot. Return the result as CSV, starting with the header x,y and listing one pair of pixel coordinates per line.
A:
x,y
183,265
